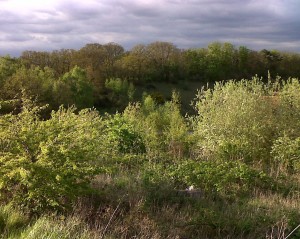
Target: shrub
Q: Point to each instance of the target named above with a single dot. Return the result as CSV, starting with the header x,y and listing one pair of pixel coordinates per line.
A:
x,y
286,155
8,106
289,108
235,120
122,133
158,97
47,164
227,178
157,184
162,127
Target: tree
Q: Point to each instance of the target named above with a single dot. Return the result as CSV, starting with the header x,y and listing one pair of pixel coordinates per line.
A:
x,y
221,61
272,58
91,58
8,66
120,91
135,64
74,88
36,58
196,63
36,82
113,52
289,65
163,59
60,61
243,61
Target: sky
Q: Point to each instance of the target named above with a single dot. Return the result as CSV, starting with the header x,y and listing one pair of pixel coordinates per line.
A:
x,y
46,25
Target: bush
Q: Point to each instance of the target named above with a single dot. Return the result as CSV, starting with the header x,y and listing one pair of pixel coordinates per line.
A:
x,y
47,164
122,133
289,108
162,127
8,106
157,184
226,178
286,156
235,120
74,88
250,122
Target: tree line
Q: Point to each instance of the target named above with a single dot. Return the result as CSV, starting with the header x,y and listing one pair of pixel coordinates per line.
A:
x,y
83,76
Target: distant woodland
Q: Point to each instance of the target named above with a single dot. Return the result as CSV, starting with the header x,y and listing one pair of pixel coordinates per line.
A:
x,y
107,75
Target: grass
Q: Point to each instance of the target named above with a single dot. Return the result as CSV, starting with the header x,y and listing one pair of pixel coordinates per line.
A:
x,y
123,210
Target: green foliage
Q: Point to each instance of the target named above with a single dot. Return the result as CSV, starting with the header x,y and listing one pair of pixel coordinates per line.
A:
x,y
121,90
250,122
236,119
240,152
8,106
74,89
135,64
158,184
122,133
156,62
158,97
227,178
8,66
196,63
117,85
288,104
163,59
162,127
34,81
286,155
47,164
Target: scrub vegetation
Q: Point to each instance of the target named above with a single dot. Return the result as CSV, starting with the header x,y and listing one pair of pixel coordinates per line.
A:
x,y
70,168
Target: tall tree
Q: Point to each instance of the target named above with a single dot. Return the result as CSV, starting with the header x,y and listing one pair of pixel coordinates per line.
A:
x,y
163,57
113,52
196,63
135,64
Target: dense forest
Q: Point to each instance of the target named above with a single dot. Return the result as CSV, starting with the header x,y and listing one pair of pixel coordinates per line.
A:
x,y
92,147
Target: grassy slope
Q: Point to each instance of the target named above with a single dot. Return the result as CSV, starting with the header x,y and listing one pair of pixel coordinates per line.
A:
x,y
127,212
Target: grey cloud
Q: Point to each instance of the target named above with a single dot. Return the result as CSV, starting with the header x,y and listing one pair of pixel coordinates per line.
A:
x,y
7,17
186,23
49,28
18,38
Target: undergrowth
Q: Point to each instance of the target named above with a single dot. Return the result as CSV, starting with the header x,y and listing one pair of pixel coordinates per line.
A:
x,y
231,171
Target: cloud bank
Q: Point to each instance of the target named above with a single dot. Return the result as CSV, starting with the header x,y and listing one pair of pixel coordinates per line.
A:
x,y
54,24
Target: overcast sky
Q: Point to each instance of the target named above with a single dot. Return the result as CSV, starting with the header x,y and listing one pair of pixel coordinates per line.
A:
x,y
57,24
